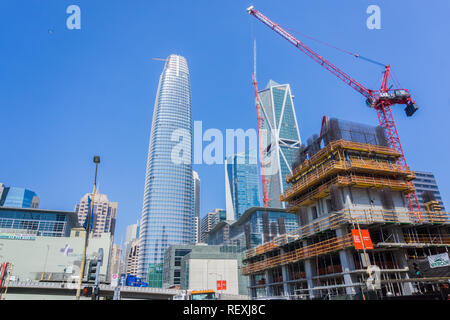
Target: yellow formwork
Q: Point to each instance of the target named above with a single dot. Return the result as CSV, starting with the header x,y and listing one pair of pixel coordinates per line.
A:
x,y
341,144
354,180
325,170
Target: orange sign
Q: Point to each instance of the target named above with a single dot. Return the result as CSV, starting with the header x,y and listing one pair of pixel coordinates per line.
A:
x,y
366,238
221,285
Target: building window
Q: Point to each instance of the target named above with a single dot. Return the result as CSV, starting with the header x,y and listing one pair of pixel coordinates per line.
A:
x,y
314,212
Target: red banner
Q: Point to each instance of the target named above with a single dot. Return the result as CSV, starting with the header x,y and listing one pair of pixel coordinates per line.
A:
x,y
366,238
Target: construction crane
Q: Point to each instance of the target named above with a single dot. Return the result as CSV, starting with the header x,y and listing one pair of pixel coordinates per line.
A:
x,y
259,111
381,100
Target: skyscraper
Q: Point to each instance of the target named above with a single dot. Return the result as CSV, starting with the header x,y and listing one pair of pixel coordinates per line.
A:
x,y
283,137
196,206
209,221
115,260
168,208
241,183
425,181
14,197
131,248
104,215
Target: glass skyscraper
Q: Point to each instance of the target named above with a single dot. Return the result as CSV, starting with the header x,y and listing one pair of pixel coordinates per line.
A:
x,y
168,208
241,183
283,138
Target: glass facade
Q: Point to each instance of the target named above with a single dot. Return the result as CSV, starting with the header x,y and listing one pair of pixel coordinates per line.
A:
x,y
254,217
283,138
14,197
425,181
168,208
242,191
36,222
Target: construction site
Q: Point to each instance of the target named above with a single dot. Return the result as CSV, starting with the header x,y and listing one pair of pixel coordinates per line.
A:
x,y
348,179
362,232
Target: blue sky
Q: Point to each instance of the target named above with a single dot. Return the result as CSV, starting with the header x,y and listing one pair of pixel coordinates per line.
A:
x,y
66,95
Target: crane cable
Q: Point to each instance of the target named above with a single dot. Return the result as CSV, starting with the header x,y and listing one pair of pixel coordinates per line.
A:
x,y
356,55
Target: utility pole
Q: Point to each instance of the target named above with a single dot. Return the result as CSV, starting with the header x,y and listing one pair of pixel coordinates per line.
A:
x,y
86,238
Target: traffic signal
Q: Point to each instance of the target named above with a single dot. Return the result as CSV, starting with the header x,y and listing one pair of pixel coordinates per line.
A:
x,y
417,271
87,291
92,270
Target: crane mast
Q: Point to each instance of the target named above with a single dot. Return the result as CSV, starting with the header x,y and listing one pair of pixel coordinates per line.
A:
x,y
260,131
381,100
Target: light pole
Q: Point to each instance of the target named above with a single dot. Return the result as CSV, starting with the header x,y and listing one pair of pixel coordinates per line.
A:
x,y
86,238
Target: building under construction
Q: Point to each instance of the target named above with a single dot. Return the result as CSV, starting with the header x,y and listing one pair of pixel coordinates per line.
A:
x,y
345,182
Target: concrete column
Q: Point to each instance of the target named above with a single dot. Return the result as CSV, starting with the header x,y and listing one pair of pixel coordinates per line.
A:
x,y
310,273
284,271
268,291
347,264
285,274
400,257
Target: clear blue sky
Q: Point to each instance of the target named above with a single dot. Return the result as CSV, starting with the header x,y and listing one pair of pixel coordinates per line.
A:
x,y
66,95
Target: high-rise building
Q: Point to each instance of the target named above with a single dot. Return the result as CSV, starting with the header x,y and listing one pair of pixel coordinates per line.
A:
x,y
283,138
132,233
168,207
14,197
132,258
209,221
104,215
115,260
131,249
241,183
425,181
196,206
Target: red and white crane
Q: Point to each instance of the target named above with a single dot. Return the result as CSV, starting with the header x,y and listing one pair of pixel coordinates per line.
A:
x,y
381,100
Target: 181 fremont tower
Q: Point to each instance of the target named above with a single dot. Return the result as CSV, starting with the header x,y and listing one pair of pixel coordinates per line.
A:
x,y
168,208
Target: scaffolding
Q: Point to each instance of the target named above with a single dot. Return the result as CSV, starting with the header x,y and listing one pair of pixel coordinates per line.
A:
x,y
351,216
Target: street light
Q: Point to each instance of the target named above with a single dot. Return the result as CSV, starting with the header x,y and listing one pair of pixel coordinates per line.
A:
x,y
86,238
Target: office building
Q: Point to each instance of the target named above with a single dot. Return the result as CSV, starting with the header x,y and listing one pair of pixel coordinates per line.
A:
x,y
283,138
425,181
209,221
346,183
104,214
132,257
14,197
241,183
256,226
168,206
115,260
50,258
196,206
130,252
18,223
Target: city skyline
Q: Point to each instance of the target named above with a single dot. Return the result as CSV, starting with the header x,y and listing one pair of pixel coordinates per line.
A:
x,y
54,173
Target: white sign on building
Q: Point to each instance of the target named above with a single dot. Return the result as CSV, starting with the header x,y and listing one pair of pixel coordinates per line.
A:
x,y
439,260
